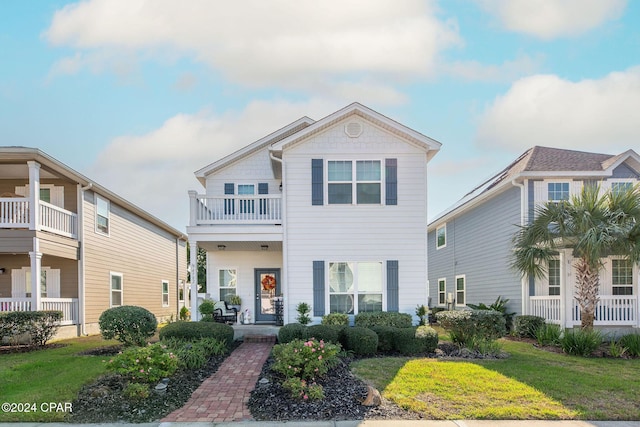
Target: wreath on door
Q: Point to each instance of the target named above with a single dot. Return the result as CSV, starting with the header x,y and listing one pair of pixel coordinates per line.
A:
x,y
268,282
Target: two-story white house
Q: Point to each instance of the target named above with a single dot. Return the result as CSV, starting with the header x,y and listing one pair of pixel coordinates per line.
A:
x,y
330,212
470,244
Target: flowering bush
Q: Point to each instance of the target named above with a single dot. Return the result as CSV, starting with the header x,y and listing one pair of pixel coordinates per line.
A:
x,y
301,362
145,364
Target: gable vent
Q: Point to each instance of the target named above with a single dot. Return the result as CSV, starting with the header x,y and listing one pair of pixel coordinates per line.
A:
x,y
353,129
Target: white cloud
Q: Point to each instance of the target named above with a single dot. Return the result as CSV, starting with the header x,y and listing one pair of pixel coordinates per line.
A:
x,y
590,115
155,170
291,43
548,19
505,72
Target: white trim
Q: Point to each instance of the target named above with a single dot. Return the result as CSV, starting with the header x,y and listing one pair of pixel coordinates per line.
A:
x,y
443,292
443,226
464,291
98,197
111,290
165,293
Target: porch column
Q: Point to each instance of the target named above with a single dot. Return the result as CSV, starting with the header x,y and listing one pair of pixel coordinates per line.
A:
x,y
193,266
36,272
193,207
565,298
34,195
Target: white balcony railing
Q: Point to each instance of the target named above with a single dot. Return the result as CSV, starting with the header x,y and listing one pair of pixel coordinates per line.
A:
x,y
68,307
237,209
611,310
14,213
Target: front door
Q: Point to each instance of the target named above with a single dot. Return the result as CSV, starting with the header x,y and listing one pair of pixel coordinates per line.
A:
x,y
267,283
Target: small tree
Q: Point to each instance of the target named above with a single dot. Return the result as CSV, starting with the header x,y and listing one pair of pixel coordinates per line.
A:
x,y
303,310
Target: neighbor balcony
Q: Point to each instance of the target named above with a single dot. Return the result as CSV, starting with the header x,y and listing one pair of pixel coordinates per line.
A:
x,y
17,213
611,310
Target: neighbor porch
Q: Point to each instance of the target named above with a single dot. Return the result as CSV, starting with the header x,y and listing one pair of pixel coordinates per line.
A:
x,y
611,310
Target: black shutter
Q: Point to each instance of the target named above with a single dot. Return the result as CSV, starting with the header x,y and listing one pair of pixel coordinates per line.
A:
x,y
391,181
318,288
392,285
317,182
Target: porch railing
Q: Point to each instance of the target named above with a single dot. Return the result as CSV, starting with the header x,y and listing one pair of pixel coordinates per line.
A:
x,y
68,307
237,209
547,307
617,310
14,213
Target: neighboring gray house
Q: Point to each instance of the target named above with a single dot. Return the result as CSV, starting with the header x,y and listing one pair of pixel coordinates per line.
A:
x,y
469,245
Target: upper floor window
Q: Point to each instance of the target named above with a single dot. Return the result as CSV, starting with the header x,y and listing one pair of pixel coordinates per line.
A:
x,y
367,176
102,215
622,276
620,187
558,191
441,236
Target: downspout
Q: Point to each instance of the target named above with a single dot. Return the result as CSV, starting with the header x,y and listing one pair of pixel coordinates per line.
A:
x,y
81,273
524,281
284,288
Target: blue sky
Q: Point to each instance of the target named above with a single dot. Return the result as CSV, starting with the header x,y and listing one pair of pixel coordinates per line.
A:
x,y
139,94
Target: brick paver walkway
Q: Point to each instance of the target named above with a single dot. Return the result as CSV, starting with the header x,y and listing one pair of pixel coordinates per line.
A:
x,y
223,397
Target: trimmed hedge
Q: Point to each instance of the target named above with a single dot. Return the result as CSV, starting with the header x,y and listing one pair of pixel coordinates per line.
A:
x,y
129,324
326,333
411,341
335,319
362,341
290,332
383,318
386,337
191,331
465,327
40,326
527,326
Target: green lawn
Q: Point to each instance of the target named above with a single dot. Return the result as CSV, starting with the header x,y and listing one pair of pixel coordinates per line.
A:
x,y
42,377
531,384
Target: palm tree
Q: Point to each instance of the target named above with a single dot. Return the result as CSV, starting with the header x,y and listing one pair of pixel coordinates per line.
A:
x,y
592,226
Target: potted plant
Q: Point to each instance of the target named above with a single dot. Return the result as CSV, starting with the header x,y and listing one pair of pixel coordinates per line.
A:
x,y
235,301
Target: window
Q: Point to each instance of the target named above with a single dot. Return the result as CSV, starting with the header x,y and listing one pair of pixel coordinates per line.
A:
x,y
43,283
247,205
116,290
460,290
442,290
367,177
441,236
227,280
558,191
165,293
622,277
355,287
554,277
102,215
45,194
620,187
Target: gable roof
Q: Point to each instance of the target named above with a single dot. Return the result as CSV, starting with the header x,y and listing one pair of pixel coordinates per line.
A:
x,y
52,167
544,162
430,145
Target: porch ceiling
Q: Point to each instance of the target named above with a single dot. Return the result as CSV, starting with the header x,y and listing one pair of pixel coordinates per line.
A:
x,y
241,246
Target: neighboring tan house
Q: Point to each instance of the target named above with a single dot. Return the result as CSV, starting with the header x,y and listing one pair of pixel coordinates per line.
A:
x,y
330,212
83,248
470,244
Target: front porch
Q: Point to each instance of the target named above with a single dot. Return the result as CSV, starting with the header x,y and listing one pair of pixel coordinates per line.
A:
x,y
611,310
68,307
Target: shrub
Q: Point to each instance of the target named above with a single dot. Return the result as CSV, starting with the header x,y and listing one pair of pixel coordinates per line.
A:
x,y
40,326
362,341
129,324
136,391
386,337
302,361
472,328
383,318
190,331
499,305
526,326
549,334
290,332
581,342
410,341
206,309
335,319
145,364
422,311
303,310
184,313
632,343
327,333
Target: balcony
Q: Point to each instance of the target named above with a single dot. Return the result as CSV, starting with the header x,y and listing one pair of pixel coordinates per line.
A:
x,y
15,213
262,209
68,307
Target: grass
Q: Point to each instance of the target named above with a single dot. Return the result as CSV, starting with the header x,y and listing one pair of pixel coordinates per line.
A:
x,y
531,384
41,377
